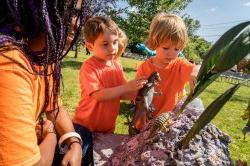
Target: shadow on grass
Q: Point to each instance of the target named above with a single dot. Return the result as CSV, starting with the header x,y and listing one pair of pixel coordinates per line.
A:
x,y
239,98
210,91
128,69
235,98
72,64
125,110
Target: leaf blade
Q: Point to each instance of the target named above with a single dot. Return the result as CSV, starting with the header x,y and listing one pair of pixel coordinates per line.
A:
x,y
209,114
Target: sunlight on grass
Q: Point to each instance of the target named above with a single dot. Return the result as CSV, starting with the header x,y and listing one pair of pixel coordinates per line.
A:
x,y
229,120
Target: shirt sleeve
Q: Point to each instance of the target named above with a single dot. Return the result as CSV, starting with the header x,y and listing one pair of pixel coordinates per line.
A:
x,y
144,69
139,71
89,81
18,139
119,67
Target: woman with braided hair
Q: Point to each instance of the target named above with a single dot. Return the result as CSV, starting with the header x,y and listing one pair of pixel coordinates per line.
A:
x,y
34,37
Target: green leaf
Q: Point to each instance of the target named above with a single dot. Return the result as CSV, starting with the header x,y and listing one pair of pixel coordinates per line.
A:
x,y
208,114
220,50
246,114
246,129
238,49
233,46
200,86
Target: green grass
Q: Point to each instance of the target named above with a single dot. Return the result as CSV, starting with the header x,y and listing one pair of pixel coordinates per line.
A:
x,y
228,119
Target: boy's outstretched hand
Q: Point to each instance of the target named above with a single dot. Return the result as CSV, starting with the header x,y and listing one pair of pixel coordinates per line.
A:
x,y
132,87
136,84
126,91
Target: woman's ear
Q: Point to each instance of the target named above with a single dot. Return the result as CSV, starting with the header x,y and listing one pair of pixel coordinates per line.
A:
x,y
89,46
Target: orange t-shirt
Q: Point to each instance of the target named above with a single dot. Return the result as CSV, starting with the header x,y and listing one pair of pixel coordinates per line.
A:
x,y
21,101
94,76
173,78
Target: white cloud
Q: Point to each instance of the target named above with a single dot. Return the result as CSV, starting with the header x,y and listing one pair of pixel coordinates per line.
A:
x,y
212,10
247,4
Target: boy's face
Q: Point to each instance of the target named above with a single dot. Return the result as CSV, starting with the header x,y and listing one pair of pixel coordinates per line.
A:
x,y
105,46
167,51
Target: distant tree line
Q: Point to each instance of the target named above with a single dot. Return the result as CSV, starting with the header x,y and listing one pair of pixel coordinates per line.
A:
x,y
135,19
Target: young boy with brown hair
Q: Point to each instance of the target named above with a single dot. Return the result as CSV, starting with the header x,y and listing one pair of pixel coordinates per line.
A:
x,y
102,80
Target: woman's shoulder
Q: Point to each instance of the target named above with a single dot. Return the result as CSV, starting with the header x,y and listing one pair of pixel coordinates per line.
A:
x,y
13,56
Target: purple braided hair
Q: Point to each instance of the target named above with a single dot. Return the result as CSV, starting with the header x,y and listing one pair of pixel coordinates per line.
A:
x,y
34,17
53,17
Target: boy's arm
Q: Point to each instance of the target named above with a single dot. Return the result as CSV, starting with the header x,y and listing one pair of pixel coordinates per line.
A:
x,y
129,96
139,75
125,91
91,84
193,75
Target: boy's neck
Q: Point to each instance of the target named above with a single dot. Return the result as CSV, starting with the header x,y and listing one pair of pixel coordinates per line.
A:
x,y
105,62
159,64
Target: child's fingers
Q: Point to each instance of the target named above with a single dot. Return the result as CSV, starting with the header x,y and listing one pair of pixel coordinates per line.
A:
x,y
156,83
140,83
136,84
141,78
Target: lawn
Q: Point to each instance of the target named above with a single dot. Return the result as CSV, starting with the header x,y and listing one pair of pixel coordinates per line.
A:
x,y
228,119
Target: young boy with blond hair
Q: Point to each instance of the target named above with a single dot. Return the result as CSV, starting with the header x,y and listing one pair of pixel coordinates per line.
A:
x,y
168,37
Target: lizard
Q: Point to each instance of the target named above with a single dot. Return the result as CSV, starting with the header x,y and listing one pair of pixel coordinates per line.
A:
x,y
143,103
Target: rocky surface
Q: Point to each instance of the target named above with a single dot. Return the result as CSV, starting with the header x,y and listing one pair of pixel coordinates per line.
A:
x,y
104,145
209,147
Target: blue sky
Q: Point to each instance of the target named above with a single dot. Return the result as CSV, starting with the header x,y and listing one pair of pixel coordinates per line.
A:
x,y
217,16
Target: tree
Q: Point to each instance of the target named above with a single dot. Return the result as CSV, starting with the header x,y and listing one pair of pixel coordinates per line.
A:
x,y
93,8
197,48
135,20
